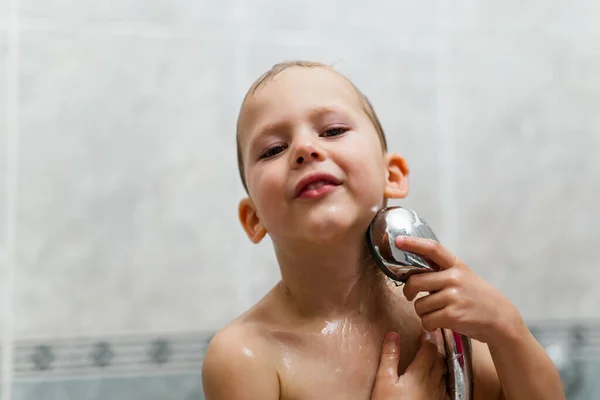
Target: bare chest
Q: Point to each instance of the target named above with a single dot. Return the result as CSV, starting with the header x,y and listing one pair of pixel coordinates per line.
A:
x,y
341,365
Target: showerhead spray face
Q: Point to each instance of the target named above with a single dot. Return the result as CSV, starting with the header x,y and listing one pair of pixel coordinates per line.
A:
x,y
387,225
400,265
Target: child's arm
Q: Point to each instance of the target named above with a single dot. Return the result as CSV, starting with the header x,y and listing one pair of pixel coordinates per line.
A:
x,y
234,369
463,302
517,368
524,369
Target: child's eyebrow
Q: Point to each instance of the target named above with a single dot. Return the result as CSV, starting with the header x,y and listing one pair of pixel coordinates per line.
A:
x,y
278,126
322,111
272,127
315,113
265,130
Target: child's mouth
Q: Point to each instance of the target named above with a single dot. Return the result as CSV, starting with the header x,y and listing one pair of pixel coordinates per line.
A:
x,y
315,185
317,189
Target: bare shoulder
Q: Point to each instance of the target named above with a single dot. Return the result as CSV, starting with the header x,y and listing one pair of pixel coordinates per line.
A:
x,y
486,381
237,365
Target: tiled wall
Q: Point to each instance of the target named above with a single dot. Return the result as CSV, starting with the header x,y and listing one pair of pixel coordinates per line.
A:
x,y
127,367
126,188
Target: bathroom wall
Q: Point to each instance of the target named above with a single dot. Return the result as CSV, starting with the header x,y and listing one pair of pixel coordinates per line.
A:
x,y
128,254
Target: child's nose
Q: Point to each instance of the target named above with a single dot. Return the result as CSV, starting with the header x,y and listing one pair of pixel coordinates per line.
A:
x,y
308,152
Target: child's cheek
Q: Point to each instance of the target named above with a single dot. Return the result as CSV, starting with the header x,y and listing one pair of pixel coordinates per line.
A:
x,y
365,169
269,185
365,152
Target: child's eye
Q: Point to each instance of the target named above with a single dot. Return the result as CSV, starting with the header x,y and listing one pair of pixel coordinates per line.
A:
x,y
334,132
273,151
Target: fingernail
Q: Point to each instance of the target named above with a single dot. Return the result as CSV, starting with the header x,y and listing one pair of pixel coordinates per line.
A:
x,y
392,337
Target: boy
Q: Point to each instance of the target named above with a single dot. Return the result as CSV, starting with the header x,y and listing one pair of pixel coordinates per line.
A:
x,y
313,159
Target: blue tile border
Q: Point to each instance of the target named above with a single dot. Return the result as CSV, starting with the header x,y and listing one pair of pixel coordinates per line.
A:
x,y
52,359
174,387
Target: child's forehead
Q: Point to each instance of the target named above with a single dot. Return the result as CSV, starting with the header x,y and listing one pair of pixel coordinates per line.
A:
x,y
304,81
300,88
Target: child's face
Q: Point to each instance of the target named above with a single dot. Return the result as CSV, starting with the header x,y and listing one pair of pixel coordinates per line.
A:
x,y
302,122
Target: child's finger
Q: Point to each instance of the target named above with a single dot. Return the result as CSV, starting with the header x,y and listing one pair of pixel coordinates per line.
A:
x,y
432,282
423,361
431,303
390,357
438,368
428,248
436,320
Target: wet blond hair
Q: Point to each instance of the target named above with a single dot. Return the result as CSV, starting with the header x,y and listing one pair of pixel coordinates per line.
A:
x,y
278,68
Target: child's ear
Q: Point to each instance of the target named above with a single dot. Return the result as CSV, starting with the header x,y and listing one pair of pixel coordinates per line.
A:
x,y
396,184
250,221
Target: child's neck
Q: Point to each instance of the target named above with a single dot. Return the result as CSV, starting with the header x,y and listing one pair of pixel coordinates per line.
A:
x,y
330,281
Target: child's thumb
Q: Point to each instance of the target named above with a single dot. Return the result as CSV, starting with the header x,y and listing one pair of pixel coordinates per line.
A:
x,y
390,356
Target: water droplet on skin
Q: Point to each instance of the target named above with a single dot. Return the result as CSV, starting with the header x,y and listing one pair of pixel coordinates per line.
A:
x,y
330,328
361,307
332,208
248,352
287,360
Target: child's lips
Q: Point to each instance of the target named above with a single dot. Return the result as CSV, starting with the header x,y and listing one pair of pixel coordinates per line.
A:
x,y
316,190
315,185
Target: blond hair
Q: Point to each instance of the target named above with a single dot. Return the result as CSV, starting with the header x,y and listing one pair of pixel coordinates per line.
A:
x,y
278,68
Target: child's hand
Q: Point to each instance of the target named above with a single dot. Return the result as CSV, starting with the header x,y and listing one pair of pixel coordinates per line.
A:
x,y
460,300
422,380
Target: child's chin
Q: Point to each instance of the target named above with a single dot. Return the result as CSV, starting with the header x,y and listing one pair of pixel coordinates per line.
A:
x,y
329,229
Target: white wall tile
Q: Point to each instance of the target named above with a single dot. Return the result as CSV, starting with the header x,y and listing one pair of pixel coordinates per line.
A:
x,y
127,156
526,126
3,192
3,13
555,18
129,182
3,129
400,16
171,12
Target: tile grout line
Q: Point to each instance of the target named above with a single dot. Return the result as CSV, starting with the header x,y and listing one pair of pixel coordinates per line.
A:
x,y
446,146
12,136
